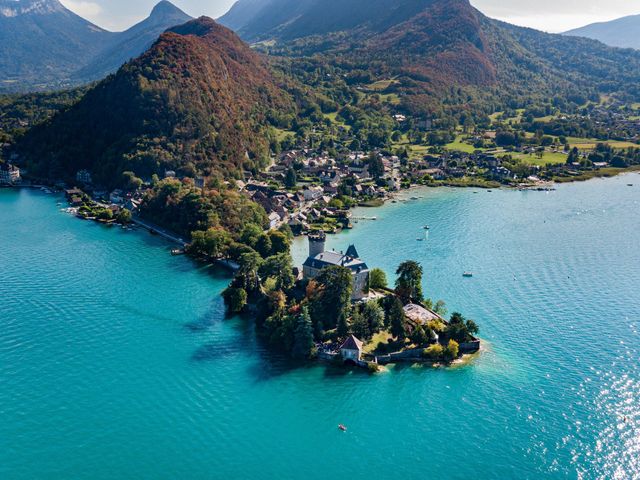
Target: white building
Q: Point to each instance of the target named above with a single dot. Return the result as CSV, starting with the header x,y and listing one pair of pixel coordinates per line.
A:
x,y
351,350
313,193
9,174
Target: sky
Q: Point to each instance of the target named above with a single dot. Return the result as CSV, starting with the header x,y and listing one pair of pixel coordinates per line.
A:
x,y
548,15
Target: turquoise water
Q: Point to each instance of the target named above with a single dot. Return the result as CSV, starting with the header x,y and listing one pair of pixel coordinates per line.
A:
x,y
116,360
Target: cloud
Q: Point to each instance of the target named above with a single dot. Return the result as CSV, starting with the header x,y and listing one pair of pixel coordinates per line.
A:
x,y
88,10
556,15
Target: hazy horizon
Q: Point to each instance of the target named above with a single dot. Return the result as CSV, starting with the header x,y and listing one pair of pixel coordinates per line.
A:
x,y
553,16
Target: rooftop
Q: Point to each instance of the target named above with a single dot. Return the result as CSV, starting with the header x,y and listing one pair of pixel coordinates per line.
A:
x,y
332,258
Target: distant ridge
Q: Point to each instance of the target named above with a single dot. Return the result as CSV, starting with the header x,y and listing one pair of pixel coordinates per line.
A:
x,y
431,46
132,42
42,43
623,32
44,46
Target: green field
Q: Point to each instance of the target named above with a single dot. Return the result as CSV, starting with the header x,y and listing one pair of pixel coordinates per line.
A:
x,y
548,158
381,85
459,146
590,143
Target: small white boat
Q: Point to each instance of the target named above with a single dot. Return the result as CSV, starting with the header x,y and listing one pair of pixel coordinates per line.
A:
x,y
467,274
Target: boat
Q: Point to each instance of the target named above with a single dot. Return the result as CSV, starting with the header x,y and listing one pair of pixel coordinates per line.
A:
x,y
420,239
177,251
467,274
629,184
427,227
342,427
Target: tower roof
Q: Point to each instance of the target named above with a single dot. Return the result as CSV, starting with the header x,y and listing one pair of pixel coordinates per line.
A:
x,y
352,252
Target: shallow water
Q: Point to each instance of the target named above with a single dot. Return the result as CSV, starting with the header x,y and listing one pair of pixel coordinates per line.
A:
x,y
116,360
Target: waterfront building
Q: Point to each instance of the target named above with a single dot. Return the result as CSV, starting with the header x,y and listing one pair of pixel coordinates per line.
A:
x,y
319,258
351,350
9,174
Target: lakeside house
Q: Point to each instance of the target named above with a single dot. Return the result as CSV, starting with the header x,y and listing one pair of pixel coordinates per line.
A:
x,y
351,350
319,258
9,174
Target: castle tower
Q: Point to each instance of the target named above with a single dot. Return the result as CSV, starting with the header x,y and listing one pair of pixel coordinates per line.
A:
x,y
316,244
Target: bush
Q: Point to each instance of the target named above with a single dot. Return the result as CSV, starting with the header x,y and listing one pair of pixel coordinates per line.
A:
x,y
451,351
434,352
235,299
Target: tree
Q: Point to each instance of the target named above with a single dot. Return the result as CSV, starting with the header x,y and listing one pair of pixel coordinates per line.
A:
x,y
374,316
280,242
409,281
418,336
460,329
130,182
124,216
290,179
330,300
440,308
451,351
377,279
264,246
434,352
279,267
235,299
397,319
360,325
249,265
303,336
376,167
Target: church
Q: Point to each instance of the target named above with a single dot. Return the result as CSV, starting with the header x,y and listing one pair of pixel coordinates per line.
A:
x,y
319,258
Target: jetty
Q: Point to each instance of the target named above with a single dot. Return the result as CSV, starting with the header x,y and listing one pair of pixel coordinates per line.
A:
x,y
154,229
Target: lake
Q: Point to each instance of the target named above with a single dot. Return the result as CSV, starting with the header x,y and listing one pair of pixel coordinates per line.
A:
x,y
116,360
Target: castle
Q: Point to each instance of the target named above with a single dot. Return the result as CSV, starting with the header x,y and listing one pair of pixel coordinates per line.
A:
x,y
319,258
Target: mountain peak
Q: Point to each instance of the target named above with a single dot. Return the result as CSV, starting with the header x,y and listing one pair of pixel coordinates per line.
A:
x,y
165,8
13,8
199,27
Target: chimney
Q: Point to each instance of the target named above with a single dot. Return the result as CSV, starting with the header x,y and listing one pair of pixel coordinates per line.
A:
x,y
316,244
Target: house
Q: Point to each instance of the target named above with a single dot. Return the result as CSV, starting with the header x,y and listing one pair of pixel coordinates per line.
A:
x,y
274,220
84,176
313,193
319,259
351,350
117,197
169,174
9,174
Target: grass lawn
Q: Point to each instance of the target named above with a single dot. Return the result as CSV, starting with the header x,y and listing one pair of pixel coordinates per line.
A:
x,y
381,85
459,146
333,116
548,158
590,143
282,134
379,338
391,98
517,118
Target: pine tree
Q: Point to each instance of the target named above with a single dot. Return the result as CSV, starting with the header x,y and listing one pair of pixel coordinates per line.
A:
x,y
303,336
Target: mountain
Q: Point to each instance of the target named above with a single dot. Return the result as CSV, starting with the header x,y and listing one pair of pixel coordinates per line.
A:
x,y
623,32
132,42
43,43
426,47
196,102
